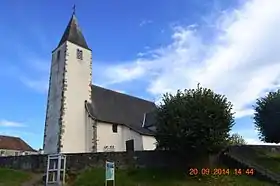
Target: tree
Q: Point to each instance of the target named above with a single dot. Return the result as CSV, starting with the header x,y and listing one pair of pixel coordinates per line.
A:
x,y
196,119
236,139
267,117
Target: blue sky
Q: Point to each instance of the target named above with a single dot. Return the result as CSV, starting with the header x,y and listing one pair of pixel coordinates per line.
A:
x,y
143,48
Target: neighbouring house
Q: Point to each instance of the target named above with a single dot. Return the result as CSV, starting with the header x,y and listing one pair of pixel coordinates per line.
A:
x,y
14,146
82,117
40,151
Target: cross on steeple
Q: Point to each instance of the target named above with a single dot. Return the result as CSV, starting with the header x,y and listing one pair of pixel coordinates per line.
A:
x,y
74,9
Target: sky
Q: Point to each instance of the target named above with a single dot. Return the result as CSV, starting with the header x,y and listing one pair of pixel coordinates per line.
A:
x,y
142,48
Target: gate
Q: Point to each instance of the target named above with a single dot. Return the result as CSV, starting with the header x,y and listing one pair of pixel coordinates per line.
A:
x,y
56,170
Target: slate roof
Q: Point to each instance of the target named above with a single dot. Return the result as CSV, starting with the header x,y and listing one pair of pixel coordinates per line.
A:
x,y
14,143
114,107
74,34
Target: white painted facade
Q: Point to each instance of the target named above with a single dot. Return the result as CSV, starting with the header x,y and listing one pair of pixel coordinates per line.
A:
x,y
11,152
78,89
149,142
107,140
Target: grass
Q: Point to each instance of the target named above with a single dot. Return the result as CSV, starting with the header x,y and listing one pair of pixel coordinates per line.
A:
x,y
266,158
156,177
10,177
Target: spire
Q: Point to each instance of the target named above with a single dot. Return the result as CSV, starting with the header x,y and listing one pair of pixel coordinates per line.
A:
x,y
73,33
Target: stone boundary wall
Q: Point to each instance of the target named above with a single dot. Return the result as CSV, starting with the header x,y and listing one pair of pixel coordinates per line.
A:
x,y
123,160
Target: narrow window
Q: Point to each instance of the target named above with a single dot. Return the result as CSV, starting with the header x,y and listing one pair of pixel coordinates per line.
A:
x,y
58,55
115,128
16,153
79,54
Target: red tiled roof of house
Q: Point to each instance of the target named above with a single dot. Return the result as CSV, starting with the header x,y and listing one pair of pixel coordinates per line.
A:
x,y
14,143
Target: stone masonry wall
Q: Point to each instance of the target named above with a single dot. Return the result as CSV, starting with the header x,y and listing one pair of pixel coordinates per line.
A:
x,y
123,160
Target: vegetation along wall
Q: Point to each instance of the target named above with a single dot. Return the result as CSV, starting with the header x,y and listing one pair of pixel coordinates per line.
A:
x,y
123,160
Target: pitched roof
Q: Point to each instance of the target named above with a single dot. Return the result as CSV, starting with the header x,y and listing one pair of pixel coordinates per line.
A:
x,y
74,34
14,143
114,107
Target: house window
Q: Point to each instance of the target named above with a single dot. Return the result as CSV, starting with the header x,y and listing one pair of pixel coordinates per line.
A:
x,y
79,54
2,153
58,55
115,128
16,153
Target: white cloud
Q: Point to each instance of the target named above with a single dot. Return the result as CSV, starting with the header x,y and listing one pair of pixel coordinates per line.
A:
x,y
253,141
6,123
242,60
120,91
16,133
35,73
250,135
140,54
145,22
121,73
41,66
40,85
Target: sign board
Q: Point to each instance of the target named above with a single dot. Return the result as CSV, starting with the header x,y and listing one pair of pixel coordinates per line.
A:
x,y
110,171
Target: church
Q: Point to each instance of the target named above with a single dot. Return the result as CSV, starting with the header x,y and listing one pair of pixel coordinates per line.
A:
x,y
83,117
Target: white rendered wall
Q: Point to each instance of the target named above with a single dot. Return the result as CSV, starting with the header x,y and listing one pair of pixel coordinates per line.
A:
x,y
106,137
129,134
10,152
51,138
149,142
78,79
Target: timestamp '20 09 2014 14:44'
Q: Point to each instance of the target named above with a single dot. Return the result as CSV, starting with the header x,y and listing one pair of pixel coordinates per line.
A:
x,y
220,171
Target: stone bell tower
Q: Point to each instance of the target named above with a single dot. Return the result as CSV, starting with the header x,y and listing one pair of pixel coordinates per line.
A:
x,y
66,126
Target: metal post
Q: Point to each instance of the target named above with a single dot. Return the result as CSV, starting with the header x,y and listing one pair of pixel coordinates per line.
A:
x,y
58,170
48,166
64,168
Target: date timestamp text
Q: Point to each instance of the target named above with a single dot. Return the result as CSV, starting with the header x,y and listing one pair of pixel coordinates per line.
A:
x,y
220,171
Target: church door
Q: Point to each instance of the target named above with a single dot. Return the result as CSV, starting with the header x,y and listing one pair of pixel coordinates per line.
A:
x,y
129,145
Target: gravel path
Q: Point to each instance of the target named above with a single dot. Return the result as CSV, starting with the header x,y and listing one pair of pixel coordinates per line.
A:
x,y
36,180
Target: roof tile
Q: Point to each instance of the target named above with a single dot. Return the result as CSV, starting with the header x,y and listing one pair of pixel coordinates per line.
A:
x,y
14,143
73,34
114,107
